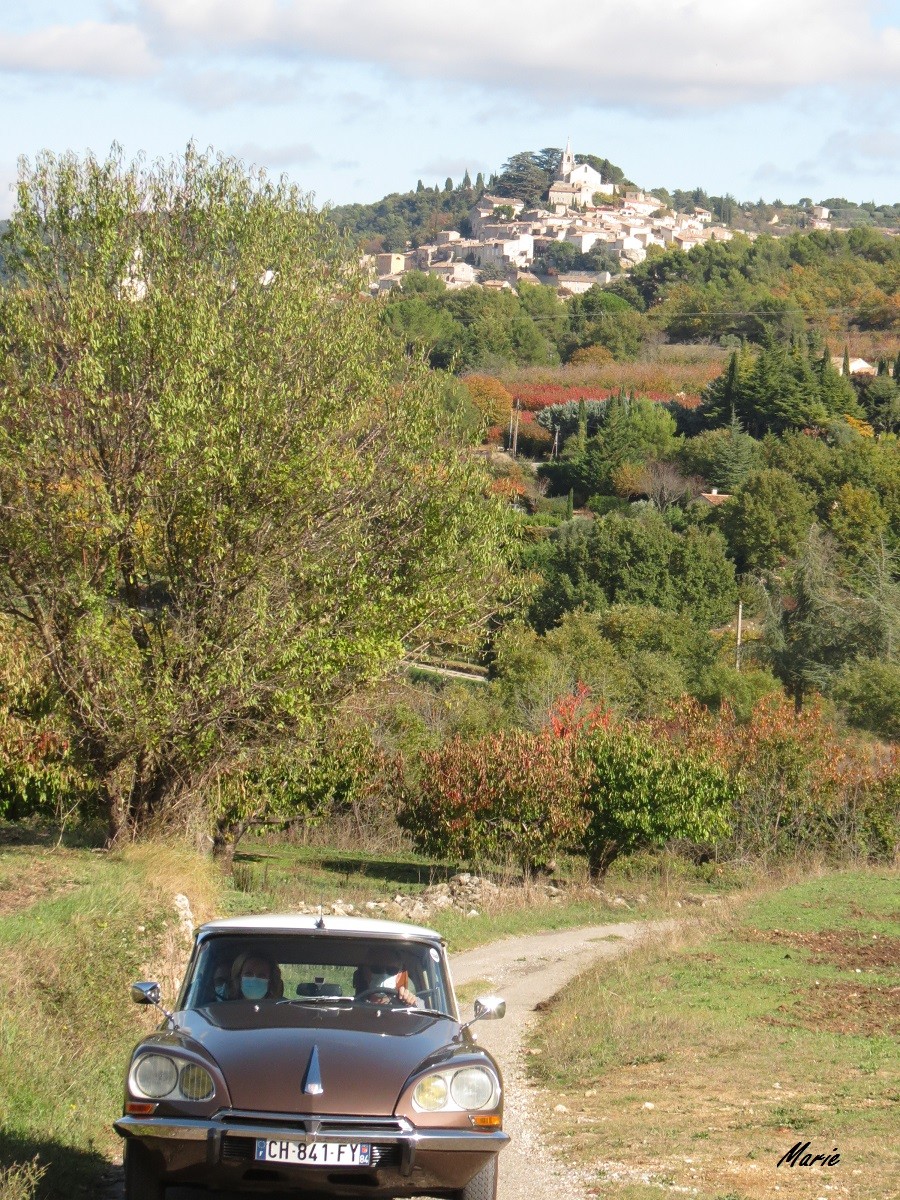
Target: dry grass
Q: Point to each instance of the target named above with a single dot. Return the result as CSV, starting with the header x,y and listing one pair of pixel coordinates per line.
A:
x,y
20,1181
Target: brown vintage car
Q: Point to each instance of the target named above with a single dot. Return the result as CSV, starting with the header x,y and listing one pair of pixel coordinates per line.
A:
x,y
321,1056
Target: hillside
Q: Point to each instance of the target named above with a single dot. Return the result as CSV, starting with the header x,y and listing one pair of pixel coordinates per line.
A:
x,y
413,217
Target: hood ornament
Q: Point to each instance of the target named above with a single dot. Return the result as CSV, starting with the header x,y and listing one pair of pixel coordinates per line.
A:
x,y
312,1080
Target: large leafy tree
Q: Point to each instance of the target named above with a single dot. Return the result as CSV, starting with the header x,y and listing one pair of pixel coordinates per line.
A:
x,y
228,496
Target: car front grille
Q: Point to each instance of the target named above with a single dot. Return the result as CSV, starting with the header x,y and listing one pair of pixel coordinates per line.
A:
x,y
370,1127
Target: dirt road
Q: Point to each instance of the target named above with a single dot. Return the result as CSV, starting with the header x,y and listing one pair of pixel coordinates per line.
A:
x,y
527,971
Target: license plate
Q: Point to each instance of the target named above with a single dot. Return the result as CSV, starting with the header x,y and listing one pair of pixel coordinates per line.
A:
x,y
314,1154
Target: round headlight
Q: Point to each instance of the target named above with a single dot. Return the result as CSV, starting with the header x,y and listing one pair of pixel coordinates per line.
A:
x,y
196,1083
156,1075
472,1087
431,1093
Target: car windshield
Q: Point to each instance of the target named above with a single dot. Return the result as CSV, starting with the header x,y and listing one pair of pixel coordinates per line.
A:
x,y
316,968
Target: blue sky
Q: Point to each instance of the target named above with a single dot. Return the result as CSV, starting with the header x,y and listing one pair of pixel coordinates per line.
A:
x,y
357,98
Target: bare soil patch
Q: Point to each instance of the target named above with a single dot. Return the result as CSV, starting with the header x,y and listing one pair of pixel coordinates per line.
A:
x,y
850,1008
842,948
19,890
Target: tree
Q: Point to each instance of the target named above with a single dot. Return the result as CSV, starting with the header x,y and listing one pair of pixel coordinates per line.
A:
x,y
524,178
643,792
490,397
735,458
229,496
766,520
814,624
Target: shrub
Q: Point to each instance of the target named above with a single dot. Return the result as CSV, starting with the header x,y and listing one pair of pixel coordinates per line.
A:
x,y
510,795
643,791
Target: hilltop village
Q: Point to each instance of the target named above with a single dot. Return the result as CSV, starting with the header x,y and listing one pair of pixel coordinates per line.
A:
x,y
583,209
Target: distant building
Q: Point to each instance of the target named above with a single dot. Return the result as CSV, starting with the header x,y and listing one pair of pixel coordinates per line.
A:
x,y
858,366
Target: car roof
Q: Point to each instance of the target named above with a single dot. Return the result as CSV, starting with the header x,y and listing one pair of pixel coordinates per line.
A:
x,y
296,923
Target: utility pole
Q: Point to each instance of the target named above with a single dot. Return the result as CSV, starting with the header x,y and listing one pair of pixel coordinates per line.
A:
x,y
737,654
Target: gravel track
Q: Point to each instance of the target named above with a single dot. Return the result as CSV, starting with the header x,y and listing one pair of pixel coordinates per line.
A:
x,y
527,971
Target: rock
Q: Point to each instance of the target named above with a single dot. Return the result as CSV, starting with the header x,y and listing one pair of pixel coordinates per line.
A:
x,y
560,1108
648,1105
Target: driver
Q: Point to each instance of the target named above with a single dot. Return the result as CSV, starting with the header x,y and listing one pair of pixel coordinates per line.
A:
x,y
382,977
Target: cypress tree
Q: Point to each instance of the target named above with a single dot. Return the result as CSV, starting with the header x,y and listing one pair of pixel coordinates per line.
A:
x,y
897,368
582,426
845,365
570,504
467,181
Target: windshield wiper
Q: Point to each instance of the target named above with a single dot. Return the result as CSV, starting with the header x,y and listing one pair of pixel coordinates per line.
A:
x,y
334,1001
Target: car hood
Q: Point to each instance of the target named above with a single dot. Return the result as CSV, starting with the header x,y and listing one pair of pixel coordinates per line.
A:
x,y
362,1055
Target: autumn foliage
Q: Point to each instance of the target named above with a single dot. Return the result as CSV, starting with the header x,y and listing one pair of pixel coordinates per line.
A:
x,y
602,786
490,397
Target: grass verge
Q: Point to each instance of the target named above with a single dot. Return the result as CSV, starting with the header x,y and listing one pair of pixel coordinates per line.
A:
x,y
694,1065
75,930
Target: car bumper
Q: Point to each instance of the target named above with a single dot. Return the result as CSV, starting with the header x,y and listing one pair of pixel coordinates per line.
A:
x,y
220,1153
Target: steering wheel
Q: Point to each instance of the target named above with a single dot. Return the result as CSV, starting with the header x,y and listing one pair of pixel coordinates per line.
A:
x,y
389,993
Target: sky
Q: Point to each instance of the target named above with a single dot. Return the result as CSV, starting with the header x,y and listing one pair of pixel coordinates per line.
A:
x,y
353,99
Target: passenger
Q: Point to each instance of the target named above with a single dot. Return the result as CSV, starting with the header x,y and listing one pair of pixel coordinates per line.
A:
x,y
255,977
222,981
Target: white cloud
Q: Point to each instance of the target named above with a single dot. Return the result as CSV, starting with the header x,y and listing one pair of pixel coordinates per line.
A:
x,y
644,54
291,154
211,90
91,48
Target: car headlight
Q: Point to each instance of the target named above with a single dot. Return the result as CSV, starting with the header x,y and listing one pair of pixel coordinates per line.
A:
x,y
472,1087
465,1090
156,1076
431,1093
195,1082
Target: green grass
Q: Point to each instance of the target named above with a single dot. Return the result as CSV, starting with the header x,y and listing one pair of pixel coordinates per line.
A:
x,y
773,1025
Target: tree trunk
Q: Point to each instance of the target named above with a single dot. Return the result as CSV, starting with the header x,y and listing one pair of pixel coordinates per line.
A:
x,y
600,859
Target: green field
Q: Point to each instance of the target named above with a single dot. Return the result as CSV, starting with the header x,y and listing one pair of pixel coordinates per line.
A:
x,y
696,1065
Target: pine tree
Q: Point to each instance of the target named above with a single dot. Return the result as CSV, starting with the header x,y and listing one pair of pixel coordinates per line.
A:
x,y
836,392
736,457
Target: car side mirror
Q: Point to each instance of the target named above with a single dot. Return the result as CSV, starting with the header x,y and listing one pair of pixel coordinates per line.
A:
x,y
145,993
148,993
489,1008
